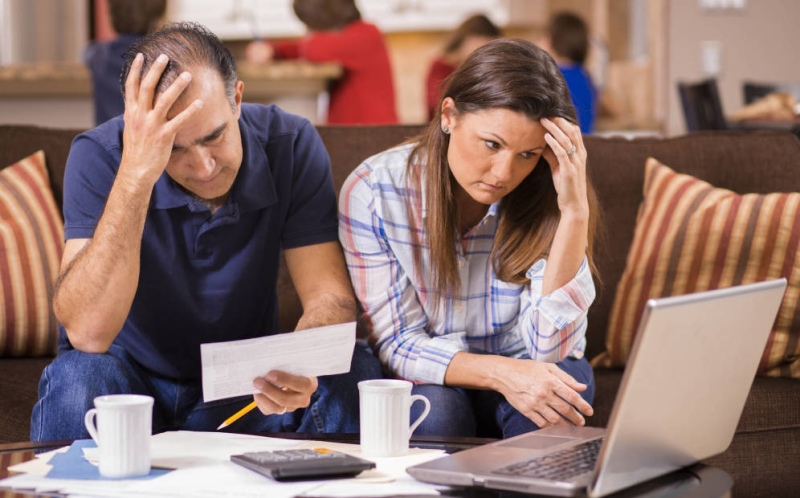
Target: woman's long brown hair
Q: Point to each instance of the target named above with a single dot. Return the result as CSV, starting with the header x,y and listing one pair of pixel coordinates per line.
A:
x,y
503,74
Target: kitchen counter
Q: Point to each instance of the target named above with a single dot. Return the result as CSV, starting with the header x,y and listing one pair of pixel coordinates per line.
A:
x,y
44,80
59,94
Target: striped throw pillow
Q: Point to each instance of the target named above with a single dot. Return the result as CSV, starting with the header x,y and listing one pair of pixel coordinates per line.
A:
x,y
691,236
31,243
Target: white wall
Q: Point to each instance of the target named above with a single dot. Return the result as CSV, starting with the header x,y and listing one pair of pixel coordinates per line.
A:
x,y
759,43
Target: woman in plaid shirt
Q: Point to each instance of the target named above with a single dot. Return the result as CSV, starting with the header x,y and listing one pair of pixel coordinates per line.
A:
x,y
470,250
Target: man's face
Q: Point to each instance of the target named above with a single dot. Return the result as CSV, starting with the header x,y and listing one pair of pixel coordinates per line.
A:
x,y
207,151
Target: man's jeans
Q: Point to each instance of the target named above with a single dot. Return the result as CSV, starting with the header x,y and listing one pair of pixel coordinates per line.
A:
x,y
469,412
70,383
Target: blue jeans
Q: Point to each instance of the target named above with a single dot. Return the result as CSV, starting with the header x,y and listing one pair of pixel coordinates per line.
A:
x,y
70,383
470,413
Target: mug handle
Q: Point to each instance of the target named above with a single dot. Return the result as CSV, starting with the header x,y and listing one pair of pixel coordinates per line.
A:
x,y
425,412
88,421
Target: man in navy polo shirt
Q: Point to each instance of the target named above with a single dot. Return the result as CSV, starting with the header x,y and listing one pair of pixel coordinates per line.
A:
x,y
175,218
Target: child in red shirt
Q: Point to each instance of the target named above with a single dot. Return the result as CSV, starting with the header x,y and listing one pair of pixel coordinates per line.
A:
x,y
365,93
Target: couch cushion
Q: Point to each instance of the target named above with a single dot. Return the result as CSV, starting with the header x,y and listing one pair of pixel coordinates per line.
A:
x,y
31,243
760,162
691,236
23,140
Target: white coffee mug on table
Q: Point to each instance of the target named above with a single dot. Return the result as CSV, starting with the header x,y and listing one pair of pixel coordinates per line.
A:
x,y
123,430
385,406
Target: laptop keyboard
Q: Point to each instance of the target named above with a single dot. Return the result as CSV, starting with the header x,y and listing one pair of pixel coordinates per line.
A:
x,y
562,465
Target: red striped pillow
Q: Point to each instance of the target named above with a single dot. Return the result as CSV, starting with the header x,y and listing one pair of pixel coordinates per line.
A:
x,y
691,236
31,243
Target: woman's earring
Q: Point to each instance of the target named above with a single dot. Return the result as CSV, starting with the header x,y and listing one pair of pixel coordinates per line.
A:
x,y
446,129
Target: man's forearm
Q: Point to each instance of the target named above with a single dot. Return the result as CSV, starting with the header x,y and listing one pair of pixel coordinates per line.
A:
x,y
328,309
94,293
319,275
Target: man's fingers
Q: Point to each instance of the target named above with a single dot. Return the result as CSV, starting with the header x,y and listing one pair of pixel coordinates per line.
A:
x,y
168,97
147,89
286,390
269,406
279,396
297,383
134,74
185,115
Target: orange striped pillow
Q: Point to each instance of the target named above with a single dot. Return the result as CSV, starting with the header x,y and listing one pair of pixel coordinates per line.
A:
x,y
691,236
31,243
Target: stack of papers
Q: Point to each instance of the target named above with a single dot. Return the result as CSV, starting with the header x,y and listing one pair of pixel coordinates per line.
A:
x,y
197,464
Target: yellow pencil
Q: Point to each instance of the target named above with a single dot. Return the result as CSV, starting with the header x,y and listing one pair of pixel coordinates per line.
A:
x,y
236,416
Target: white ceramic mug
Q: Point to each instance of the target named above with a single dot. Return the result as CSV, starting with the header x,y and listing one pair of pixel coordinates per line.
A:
x,y
385,406
122,433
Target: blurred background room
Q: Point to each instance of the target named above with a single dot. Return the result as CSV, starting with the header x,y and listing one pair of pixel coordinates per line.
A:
x,y
640,51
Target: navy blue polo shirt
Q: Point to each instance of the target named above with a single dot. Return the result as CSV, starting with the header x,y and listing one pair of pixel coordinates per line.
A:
x,y
210,278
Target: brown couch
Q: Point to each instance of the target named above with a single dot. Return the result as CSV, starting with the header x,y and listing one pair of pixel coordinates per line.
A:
x,y
764,458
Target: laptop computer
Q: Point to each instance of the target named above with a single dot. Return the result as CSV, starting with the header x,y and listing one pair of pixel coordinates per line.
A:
x,y
691,367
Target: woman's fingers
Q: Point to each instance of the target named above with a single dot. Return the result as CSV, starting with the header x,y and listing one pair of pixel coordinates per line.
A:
x,y
538,419
567,411
566,132
563,137
568,391
544,393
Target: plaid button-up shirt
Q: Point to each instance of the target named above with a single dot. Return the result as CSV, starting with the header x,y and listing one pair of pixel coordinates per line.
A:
x,y
486,315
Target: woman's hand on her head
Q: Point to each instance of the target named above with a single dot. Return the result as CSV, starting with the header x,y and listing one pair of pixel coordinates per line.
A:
x,y
543,392
566,155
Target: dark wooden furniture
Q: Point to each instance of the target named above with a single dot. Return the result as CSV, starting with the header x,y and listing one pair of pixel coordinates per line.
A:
x,y
702,107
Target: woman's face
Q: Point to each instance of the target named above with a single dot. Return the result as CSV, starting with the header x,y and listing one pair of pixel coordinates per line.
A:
x,y
491,151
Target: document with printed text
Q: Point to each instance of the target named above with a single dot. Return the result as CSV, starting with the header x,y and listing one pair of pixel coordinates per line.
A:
x,y
230,367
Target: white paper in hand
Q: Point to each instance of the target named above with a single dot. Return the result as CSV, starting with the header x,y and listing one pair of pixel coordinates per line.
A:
x,y
230,367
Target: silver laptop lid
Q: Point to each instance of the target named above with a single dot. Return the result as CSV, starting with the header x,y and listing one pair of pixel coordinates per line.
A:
x,y
677,405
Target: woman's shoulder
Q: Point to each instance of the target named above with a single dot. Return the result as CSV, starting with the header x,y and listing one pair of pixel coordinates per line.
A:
x,y
380,173
388,164
380,182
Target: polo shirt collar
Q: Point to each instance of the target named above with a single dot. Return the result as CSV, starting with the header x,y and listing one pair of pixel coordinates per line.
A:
x,y
253,188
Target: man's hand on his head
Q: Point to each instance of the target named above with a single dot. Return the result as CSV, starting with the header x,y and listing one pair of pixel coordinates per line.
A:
x,y
149,135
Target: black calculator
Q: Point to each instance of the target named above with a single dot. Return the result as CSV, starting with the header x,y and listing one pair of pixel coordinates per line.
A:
x,y
316,463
